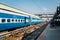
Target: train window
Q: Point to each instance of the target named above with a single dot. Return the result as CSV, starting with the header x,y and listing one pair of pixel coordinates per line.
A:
x,y
21,20
16,20
3,20
12,20
8,20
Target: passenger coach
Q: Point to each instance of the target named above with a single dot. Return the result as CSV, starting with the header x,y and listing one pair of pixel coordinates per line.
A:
x,y
14,18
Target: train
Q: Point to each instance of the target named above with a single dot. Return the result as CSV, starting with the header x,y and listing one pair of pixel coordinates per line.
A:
x,y
11,17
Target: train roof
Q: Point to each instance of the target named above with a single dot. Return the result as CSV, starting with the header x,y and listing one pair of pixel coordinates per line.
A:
x,y
12,9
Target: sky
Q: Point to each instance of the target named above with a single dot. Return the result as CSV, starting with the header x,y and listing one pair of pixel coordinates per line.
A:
x,y
34,6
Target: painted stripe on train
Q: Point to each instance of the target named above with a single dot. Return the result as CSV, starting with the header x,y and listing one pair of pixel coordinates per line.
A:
x,y
7,12
11,20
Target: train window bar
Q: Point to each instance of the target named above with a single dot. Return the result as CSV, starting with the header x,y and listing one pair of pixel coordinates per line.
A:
x,y
3,20
8,20
20,20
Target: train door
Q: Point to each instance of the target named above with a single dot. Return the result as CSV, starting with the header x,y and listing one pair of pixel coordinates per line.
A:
x,y
29,20
25,21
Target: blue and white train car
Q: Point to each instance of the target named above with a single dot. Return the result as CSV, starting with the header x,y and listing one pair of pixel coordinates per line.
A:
x,y
13,18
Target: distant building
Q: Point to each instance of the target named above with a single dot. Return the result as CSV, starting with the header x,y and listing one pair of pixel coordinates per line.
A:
x,y
47,17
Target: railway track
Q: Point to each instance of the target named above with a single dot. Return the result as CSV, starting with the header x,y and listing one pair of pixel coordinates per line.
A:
x,y
18,34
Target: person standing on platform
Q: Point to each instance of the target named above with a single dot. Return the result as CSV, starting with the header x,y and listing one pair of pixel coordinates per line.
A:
x,y
55,24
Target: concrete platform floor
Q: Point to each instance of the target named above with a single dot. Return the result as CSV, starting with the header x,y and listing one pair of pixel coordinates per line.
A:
x,y
43,34
53,34
50,34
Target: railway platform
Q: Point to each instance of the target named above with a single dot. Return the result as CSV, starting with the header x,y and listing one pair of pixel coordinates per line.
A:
x,y
43,34
50,33
53,34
